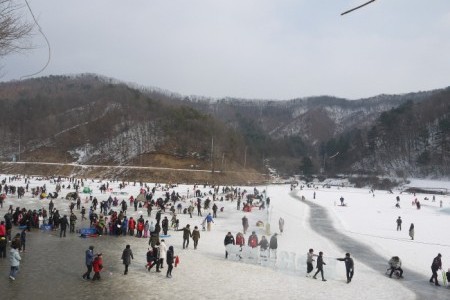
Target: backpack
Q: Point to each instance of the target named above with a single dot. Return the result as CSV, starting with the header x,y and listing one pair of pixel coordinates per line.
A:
x,y
253,242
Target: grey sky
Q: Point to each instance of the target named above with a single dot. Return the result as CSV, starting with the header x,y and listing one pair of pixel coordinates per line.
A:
x,y
270,49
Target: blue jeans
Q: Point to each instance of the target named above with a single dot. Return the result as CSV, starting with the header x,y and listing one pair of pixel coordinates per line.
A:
x,y
14,271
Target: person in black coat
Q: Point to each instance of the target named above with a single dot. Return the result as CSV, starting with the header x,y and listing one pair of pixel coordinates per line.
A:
x,y
263,244
435,266
273,244
229,239
165,225
127,256
152,258
63,223
170,258
349,266
319,266
186,235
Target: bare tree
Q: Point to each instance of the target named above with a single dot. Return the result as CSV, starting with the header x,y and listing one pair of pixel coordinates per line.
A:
x,y
14,28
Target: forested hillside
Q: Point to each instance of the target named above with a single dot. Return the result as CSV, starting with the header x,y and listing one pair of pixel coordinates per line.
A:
x,y
90,119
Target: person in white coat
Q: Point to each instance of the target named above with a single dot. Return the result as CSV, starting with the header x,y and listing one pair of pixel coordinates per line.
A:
x,y
14,259
162,252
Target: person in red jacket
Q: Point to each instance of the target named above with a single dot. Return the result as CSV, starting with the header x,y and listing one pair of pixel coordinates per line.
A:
x,y
131,226
2,229
240,239
97,266
140,228
253,240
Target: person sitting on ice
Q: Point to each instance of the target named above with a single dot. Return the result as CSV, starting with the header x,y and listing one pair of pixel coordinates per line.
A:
x,y
395,265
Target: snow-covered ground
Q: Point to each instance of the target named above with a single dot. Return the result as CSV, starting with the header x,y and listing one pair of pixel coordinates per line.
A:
x,y
367,225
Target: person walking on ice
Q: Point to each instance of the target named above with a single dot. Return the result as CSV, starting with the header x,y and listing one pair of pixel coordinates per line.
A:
x,y
319,266
435,266
349,266
14,259
309,262
280,225
245,224
411,231
399,224
127,256
89,259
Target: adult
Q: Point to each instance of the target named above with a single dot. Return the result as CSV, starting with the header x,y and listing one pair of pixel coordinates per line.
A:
x,y
186,235
399,224
199,207
14,260
89,259
281,225
320,264
190,210
435,266
131,226
349,266
411,231
152,258
158,216
342,200
73,220
215,208
165,225
309,262
170,260
162,253
395,265
195,236
209,220
63,225
273,245
229,240
245,224
127,256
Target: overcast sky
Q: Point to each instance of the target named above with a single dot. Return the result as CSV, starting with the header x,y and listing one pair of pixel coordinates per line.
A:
x,y
269,49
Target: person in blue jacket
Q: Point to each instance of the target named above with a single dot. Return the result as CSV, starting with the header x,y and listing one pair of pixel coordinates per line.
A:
x,y
89,258
209,220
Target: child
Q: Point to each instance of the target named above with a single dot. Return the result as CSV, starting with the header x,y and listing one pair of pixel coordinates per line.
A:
x,y
3,244
97,265
23,238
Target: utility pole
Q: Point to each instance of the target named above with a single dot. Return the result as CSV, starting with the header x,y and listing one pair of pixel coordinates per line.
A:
x,y
212,154
245,157
223,158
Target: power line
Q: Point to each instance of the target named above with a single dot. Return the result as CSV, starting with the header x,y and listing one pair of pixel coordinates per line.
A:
x,y
358,7
46,40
